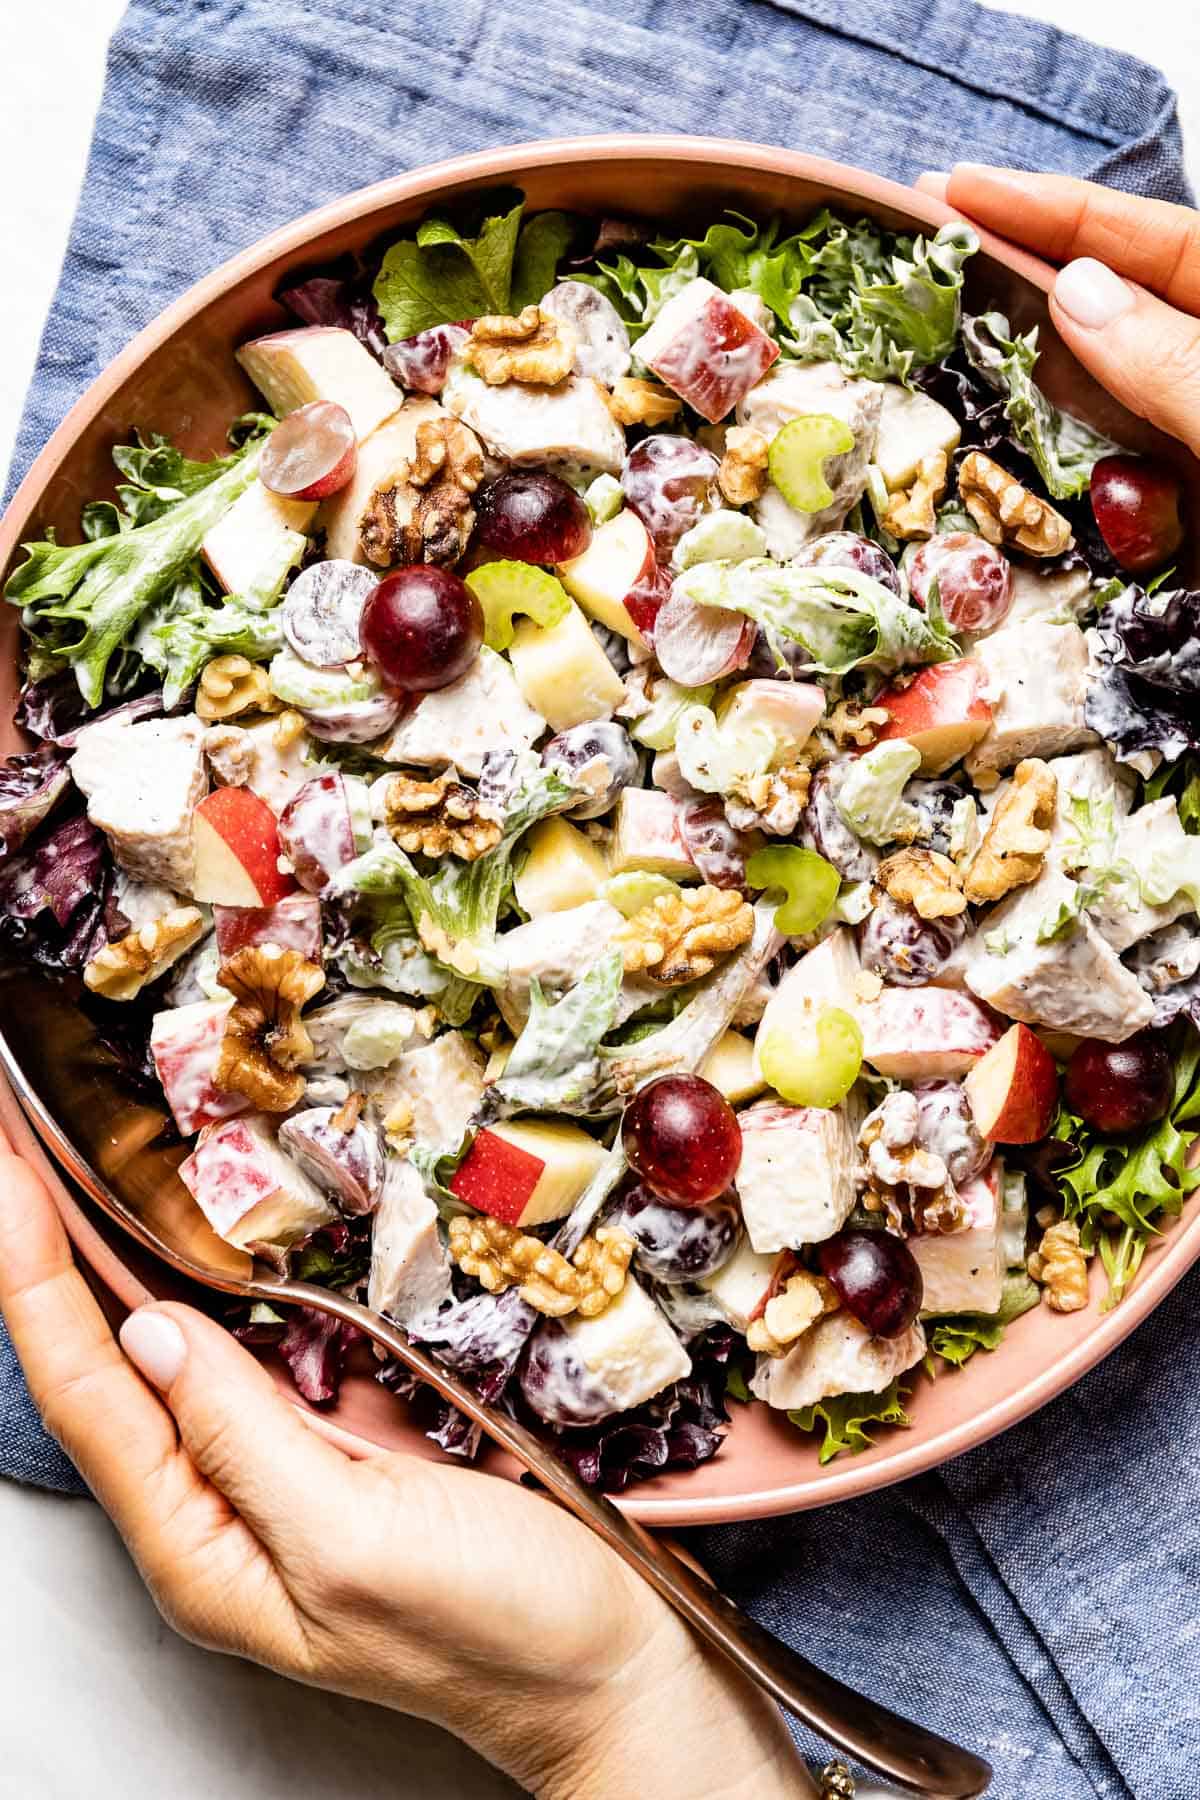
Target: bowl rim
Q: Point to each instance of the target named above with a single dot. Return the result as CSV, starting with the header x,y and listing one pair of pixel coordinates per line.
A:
x,y
36,1130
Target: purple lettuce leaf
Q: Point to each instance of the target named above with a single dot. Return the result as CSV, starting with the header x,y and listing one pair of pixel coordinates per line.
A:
x,y
31,785
341,296
438,1418
54,710
315,1348
1145,694
55,895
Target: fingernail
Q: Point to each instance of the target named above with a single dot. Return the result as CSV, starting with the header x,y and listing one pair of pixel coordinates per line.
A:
x,y
155,1345
1091,294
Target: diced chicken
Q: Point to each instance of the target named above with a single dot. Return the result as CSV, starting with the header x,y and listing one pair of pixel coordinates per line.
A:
x,y
254,756
741,1285
559,948
248,1190
1091,777
629,1351
1051,596
321,362
911,427
185,1042
526,425
963,1271
796,1177
143,782
793,388
1152,832
837,1355
439,1083
924,1033
1036,682
260,538
410,1269
483,710
1074,982
382,458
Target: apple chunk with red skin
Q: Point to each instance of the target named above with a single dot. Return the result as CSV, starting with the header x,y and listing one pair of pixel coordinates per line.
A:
x,y
527,1172
248,1189
617,566
185,1042
291,924
707,350
1013,1090
236,840
943,713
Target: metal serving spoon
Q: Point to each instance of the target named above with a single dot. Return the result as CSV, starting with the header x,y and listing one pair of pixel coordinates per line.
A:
x,y
896,1748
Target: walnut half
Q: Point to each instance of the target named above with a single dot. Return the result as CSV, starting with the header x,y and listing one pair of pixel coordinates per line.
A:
x,y
231,685
802,1300
423,512
679,937
925,880
265,1039
910,513
634,402
742,476
1060,1266
439,817
121,970
1006,512
1018,834
535,347
501,1256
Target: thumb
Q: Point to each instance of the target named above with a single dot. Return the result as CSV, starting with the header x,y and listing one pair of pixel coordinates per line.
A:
x,y
285,1481
1142,350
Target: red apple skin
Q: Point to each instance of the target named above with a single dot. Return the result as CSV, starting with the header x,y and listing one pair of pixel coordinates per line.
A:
x,y
293,923
1135,502
497,1177
1013,1090
640,591
247,827
733,354
943,713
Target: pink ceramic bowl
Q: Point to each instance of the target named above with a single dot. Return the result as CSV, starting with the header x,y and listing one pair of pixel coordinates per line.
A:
x,y
179,377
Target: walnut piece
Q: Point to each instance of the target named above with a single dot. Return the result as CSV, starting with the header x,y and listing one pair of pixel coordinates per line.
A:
x,y
439,818
1018,834
230,752
230,685
501,1256
1060,1266
679,937
771,802
742,476
923,879
265,1039
802,1300
851,723
121,970
634,402
907,1183
1006,512
423,511
534,347
911,512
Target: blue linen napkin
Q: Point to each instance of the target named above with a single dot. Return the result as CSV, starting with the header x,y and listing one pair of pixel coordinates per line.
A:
x,y
1033,1597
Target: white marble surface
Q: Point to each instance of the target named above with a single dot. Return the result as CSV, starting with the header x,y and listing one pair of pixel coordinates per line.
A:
x,y
96,1695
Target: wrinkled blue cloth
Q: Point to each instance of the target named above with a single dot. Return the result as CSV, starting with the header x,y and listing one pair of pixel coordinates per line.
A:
x,y
1033,1598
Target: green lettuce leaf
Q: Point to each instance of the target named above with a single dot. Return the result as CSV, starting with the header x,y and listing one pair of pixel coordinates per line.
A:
x,y
1182,779
737,253
1135,1181
843,618
956,1338
1064,449
844,1419
180,635
444,273
554,1063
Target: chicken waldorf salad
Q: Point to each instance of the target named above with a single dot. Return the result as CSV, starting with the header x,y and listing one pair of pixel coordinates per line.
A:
x,y
644,818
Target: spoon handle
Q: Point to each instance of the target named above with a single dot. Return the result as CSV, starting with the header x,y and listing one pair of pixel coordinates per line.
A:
x,y
893,1746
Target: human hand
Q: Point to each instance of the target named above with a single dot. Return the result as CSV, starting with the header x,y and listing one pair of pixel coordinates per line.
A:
x,y
438,1591
1126,301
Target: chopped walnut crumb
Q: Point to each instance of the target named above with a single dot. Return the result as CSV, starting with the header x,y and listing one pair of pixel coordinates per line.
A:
x,y
742,476
1006,512
908,1184
289,728
231,685
423,511
802,1300
925,880
265,1039
439,818
634,402
867,986
1018,834
349,1112
534,347
679,937
910,514
771,802
397,1127
1060,1266
121,970
501,1256
850,723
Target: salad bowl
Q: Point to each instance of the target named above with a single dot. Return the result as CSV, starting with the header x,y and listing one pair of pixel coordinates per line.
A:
x,y
79,1119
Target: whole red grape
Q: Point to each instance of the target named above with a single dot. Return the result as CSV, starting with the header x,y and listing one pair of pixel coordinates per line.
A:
x,y
421,628
1120,1087
876,1277
532,517
683,1139
974,580
1136,504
